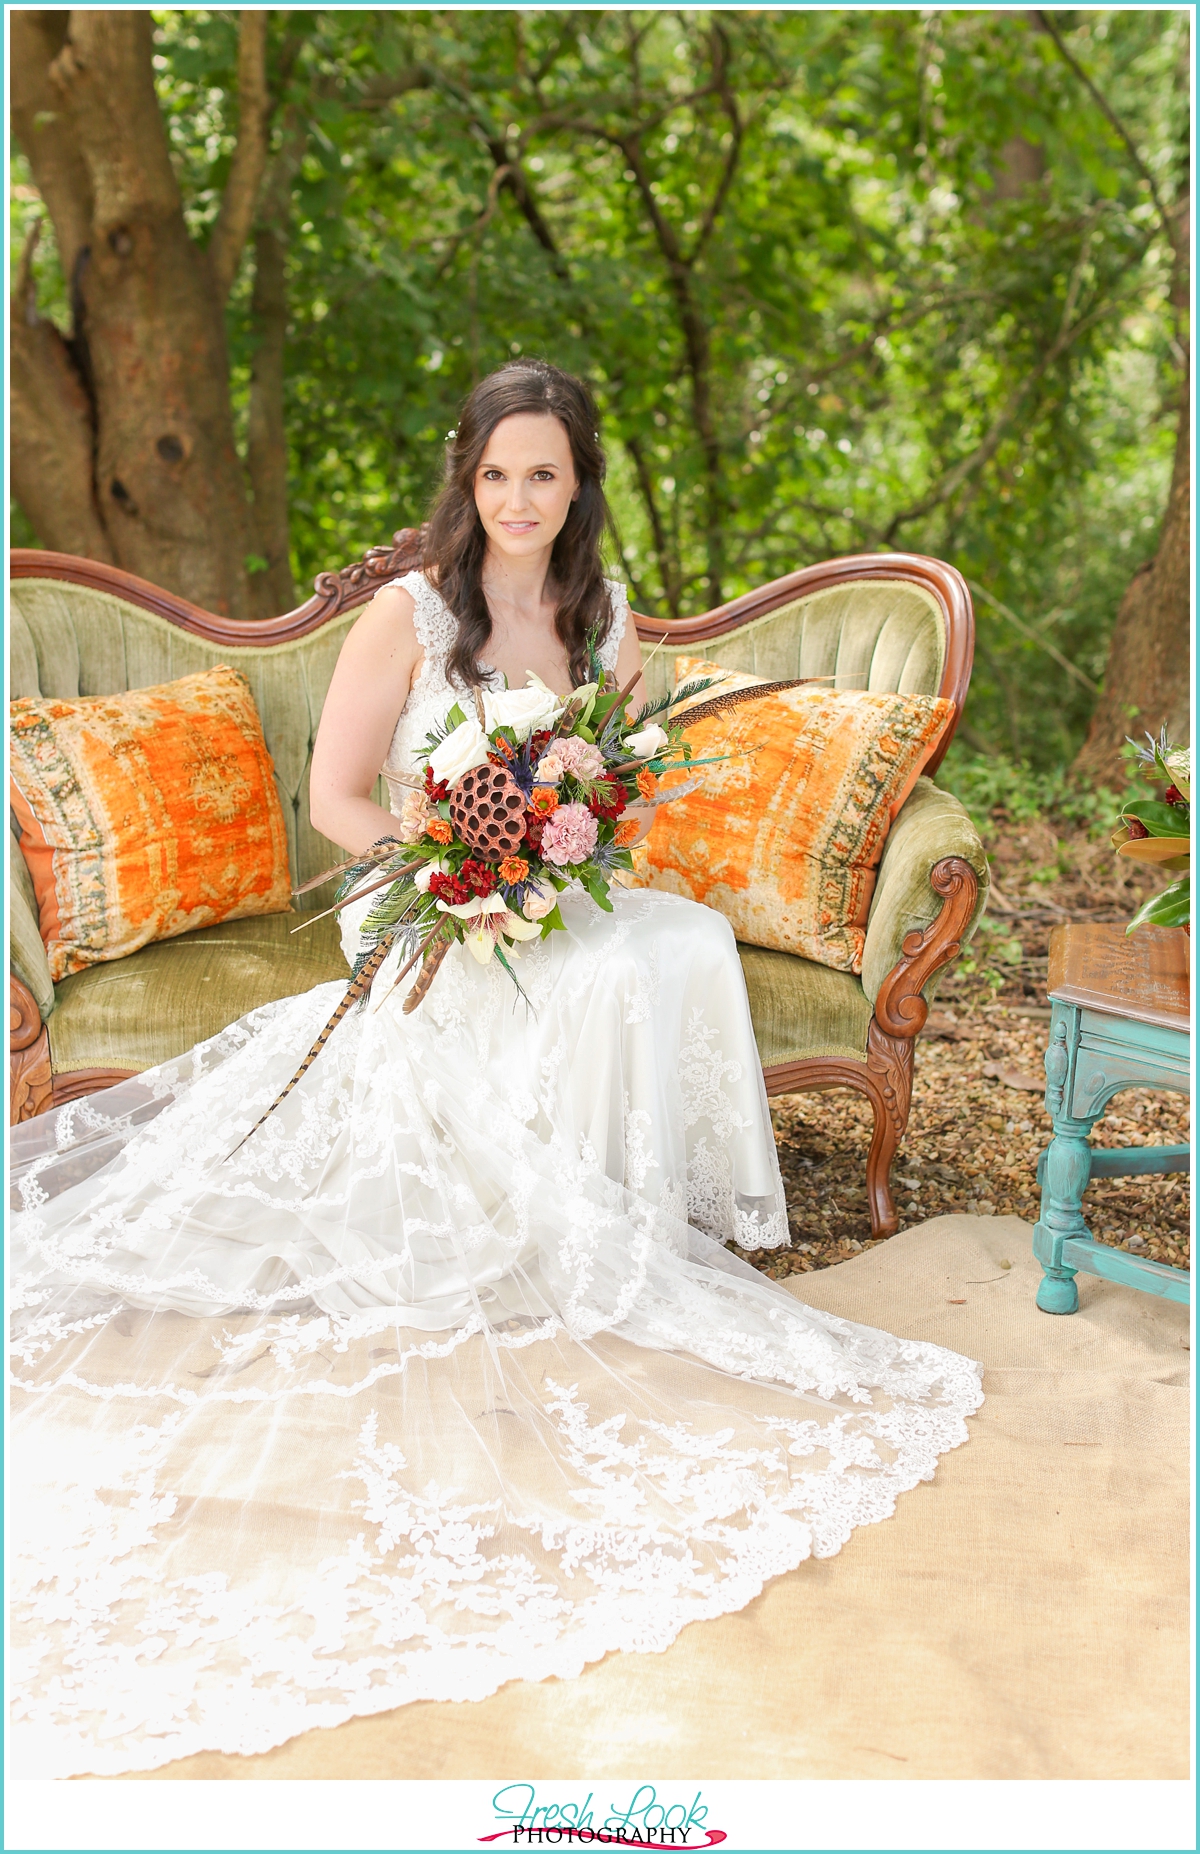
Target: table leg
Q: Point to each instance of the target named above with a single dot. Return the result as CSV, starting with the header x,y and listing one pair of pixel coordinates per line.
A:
x,y
1068,1167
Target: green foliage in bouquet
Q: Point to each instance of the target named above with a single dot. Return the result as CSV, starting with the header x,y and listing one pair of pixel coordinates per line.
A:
x,y
1159,831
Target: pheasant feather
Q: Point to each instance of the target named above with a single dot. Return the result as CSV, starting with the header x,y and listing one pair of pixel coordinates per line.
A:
x,y
359,987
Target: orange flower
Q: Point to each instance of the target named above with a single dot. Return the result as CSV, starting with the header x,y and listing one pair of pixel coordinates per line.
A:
x,y
626,831
647,784
439,829
513,869
544,801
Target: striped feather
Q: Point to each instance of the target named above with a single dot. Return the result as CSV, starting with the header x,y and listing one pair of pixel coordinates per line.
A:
x,y
717,704
433,959
359,988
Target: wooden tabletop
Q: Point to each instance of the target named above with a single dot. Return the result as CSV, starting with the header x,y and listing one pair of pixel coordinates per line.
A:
x,y
1143,975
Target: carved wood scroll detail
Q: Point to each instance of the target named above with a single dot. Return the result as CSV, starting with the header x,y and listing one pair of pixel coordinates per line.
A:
x,y
30,1080
355,584
900,1010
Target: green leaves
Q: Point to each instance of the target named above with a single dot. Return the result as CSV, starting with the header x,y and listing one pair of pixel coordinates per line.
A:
x,y
1170,908
1160,820
867,276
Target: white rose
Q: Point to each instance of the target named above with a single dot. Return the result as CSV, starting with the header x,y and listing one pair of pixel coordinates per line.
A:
x,y
466,747
648,741
522,710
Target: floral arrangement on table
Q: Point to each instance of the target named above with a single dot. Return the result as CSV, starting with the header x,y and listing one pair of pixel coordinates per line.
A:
x,y
513,804
1158,831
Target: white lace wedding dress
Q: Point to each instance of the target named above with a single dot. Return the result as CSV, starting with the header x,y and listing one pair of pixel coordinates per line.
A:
x,y
445,1379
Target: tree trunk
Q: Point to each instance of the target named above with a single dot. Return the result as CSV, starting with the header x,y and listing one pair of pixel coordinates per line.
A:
x,y
129,452
266,454
1146,680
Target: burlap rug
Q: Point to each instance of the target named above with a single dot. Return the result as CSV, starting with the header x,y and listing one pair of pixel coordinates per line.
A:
x,y
1026,1615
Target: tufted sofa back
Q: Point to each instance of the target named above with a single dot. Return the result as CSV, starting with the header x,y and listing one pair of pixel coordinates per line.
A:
x,y
870,634
883,621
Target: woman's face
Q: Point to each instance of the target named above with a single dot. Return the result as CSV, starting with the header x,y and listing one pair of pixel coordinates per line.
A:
x,y
525,484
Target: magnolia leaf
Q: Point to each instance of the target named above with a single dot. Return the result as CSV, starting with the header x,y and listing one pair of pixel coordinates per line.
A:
x,y
1161,820
1171,908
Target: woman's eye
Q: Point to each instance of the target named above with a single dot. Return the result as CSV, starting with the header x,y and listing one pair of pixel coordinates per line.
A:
x,y
493,476
543,476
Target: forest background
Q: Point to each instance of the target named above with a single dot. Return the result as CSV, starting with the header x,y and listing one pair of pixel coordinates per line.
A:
x,y
841,280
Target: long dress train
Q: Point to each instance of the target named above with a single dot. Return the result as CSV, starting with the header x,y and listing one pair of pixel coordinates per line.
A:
x,y
445,1378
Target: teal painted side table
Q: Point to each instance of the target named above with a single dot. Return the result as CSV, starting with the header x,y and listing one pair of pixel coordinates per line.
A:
x,y
1119,1019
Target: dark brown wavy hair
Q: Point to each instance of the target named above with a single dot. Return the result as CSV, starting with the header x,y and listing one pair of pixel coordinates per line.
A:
x,y
455,542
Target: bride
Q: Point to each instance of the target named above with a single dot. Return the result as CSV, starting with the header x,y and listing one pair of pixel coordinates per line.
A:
x,y
446,1378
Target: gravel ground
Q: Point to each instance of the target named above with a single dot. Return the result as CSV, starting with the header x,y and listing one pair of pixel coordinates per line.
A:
x,y
977,1124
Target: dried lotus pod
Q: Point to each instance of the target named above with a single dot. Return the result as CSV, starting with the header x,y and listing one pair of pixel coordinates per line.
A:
x,y
487,810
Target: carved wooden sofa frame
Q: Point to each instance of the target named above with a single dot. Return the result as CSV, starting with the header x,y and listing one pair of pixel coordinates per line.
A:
x,y
884,1076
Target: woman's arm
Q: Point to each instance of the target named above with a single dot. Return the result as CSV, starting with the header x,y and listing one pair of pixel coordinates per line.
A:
x,y
370,686
629,663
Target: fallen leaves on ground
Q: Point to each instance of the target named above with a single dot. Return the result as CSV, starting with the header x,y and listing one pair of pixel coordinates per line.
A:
x,y
972,1147
977,1124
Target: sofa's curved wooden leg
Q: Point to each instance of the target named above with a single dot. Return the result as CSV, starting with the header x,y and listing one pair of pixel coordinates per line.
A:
x,y
890,1074
29,1077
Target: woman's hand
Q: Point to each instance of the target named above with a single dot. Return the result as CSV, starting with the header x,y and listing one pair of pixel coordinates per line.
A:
x,y
370,686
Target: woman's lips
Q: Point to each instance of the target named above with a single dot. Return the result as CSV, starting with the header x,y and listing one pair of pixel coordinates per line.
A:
x,y
518,527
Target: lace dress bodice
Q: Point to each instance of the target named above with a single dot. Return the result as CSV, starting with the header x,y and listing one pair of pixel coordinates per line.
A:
x,y
432,692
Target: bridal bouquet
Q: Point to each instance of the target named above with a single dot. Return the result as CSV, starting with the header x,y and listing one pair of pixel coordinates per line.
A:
x,y
1158,831
514,802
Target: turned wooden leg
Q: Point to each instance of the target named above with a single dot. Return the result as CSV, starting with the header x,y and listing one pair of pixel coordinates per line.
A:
x,y
1065,1170
890,1073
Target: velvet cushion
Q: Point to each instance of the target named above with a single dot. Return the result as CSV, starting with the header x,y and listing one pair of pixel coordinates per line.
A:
x,y
160,1001
784,836
145,815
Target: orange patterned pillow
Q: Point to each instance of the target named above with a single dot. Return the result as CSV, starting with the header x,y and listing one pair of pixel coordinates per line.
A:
x,y
145,815
785,838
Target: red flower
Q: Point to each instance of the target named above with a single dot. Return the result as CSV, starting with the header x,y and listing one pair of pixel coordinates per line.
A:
x,y
533,832
445,888
538,743
434,790
1174,796
607,800
479,878
1137,828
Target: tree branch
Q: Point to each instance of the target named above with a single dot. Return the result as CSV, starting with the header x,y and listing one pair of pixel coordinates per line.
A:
x,y
987,448
52,440
45,133
1114,121
666,565
240,199
105,73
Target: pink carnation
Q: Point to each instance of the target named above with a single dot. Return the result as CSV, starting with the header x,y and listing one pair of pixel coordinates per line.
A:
x,y
574,756
569,836
415,813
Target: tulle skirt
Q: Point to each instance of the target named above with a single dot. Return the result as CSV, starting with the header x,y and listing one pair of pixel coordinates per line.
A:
x,y
445,1377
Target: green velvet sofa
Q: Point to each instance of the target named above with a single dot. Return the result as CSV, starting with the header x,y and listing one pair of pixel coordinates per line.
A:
x,y
887,621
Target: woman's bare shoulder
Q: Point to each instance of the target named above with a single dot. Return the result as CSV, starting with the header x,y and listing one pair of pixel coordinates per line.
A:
x,y
384,635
